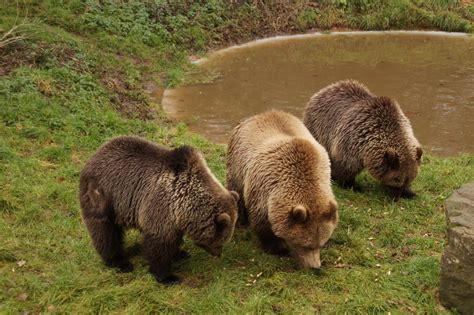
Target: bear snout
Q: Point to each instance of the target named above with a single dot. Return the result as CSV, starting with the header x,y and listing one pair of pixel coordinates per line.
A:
x,y
311,259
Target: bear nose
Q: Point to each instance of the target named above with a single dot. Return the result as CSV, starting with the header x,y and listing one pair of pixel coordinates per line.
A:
x,y
311,259
315,266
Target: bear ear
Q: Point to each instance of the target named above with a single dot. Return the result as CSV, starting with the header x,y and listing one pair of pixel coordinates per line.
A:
x,y
391,159
222,221
299,214
419,153
181,158
235,195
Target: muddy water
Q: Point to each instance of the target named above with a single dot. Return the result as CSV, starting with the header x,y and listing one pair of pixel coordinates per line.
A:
x,y
431,76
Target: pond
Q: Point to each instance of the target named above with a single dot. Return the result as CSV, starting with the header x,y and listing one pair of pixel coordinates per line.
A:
x,y
430,74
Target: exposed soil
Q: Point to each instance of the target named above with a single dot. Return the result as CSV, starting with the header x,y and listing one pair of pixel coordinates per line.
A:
x,y
128,100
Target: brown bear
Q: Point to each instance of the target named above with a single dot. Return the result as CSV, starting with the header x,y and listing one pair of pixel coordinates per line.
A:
x,y
361,130
283,177
132,183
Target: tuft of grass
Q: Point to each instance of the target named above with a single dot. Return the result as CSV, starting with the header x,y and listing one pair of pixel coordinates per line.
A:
x,y
78,82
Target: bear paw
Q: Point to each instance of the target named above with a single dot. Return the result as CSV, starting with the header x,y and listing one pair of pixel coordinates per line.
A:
x,y
401,192
182,254
169,280
123,266
407,193
352,185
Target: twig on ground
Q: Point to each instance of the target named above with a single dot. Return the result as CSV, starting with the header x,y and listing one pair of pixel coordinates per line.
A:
x,y
17,32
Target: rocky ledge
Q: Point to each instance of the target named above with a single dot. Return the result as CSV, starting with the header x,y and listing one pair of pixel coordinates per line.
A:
x,y
457,263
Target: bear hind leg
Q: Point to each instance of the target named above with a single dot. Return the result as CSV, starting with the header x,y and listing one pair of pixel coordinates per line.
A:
x,y
160,255
107,238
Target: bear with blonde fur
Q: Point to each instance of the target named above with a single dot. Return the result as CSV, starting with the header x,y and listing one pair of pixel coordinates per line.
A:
x,y
283,177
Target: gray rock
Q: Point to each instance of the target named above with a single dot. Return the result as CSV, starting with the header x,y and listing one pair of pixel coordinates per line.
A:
x,y
457,263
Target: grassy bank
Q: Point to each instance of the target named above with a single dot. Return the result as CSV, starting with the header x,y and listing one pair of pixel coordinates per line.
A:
x,y
78,78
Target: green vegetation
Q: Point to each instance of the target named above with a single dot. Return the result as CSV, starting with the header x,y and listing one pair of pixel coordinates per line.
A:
x,y
78,79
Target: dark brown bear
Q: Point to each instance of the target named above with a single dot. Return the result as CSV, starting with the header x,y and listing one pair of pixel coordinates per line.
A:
x,y
283,177
361,130
133,183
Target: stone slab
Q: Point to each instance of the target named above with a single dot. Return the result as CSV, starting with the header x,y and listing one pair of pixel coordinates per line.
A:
x,y
457,262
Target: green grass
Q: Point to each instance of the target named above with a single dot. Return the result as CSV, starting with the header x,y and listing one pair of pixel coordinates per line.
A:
x,y
78,80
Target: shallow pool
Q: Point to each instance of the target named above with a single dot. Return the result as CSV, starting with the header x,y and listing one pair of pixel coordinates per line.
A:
x,y
430,74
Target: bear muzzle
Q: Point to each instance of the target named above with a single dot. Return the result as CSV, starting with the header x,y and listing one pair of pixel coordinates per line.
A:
x,y
310,259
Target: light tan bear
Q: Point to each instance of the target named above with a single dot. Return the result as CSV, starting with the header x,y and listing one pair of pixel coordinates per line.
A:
x,y
283,177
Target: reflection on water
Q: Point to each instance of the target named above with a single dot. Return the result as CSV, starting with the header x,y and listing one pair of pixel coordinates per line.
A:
x,y
431,76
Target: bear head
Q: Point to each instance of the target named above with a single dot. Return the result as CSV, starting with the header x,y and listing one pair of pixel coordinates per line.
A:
x,y
397,168
305,225
209,211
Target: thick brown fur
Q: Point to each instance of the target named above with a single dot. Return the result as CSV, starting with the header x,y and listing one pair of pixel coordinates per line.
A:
x,y
361,130
133,183
283,177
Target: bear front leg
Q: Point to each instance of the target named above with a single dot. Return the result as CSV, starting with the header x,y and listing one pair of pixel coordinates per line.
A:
x,y
344,177
401,192
181,255
271,243
350,184
160,254
242,218
407,193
